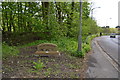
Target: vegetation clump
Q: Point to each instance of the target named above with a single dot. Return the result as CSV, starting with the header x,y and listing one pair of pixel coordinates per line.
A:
x,y
9,50
38,65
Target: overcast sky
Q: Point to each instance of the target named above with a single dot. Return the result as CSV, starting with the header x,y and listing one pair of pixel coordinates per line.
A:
x,y
107,14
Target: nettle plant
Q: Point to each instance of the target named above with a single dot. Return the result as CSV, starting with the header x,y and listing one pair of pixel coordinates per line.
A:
x,y
38,65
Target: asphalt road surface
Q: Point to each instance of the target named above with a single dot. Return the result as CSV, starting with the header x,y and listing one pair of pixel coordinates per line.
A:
x,y
103,62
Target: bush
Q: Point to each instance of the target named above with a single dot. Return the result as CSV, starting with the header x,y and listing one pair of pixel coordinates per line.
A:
x,y
86,47
78,53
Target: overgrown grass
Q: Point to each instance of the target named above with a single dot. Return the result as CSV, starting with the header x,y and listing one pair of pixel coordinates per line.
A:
x,y
9,50
68,45
86,47
64,44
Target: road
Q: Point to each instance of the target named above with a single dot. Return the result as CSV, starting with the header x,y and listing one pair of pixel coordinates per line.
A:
x,y
104,60
110,45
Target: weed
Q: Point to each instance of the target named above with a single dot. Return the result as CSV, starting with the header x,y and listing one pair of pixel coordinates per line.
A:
x,y
48,72
38,65
7,68
53,60
57,65
72,66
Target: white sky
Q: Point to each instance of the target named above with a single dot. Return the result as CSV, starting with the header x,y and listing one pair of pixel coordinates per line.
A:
x,y
107,14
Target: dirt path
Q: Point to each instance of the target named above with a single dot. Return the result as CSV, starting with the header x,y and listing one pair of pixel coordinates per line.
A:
x,y
64,66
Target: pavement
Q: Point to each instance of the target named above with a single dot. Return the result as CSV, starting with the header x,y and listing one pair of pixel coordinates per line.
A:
x,y
100,65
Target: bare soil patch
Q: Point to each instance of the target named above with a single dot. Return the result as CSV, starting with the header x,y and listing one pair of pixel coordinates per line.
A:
x,y
63,66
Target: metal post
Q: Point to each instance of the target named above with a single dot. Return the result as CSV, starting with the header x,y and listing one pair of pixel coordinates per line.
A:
x,y
92,11
92,18
92,14
80,29
91,22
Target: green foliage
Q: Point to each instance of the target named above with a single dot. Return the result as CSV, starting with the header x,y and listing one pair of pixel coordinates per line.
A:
x,y
86,47
38,65
9,50
60,20
48,22
63,43
69,45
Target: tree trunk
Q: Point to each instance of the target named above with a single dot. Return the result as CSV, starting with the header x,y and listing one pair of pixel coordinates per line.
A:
x,y
24,18
10,21
29,22
45,11
18,16
58,13
3,17
21,25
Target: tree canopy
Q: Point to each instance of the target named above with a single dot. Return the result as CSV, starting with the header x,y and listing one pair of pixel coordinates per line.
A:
x,y
49,19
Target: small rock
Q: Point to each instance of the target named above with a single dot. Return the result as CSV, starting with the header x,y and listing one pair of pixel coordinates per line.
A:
x,y
76,70
11,61
17,61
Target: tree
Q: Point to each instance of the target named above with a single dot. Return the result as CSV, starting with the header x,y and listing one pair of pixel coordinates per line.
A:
x,y
50,19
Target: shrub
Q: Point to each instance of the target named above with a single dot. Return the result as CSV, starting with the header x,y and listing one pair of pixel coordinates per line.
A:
x,y
79,53
87,48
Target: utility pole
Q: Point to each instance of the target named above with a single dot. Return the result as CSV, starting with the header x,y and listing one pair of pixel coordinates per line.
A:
x,y
92,11
92,18
80,29
107,27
